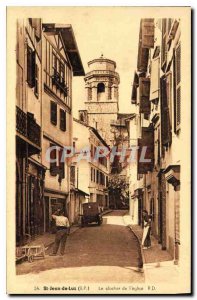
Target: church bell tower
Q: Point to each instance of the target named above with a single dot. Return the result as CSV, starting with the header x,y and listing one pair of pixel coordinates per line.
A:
x,y
101,104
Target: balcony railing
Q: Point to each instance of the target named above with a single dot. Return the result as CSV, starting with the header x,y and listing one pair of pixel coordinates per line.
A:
x,y
27,126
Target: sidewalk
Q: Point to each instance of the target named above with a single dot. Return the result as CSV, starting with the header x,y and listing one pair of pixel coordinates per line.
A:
x,y
158,263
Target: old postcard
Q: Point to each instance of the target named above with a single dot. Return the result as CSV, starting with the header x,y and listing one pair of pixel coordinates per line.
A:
x,y
98,150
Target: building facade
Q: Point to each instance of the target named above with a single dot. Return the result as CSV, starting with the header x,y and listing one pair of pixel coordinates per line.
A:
x,y
92,175
156,94
30,172
47,58
61,61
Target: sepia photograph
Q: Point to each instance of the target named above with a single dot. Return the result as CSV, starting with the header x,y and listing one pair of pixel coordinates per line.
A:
x,y
98,129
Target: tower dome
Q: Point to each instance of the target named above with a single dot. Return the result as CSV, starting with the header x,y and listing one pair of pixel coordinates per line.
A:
x,y
102,80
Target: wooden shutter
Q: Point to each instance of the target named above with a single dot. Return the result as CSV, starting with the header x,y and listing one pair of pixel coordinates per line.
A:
x,y
165,115
148,30
53,113
134,88
72,175
143,55
31,63
62,120
53,165
144,94
61,165
164,44
36,88
169,96
148,141
154,84
177,88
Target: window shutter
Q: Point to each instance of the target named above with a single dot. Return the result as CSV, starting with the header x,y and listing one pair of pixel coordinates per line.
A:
x,y
177,101
148,141
165,115
53,113
62,120
31,64
148,30
154,85
134,88
36,88
72,175
164,44
143,55
53,165
61,165
169,96
144,94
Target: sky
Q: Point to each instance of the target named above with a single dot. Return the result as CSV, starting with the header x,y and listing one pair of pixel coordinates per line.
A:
x,y
111,31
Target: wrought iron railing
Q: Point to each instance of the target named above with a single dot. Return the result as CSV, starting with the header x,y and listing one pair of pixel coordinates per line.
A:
x,y
27,126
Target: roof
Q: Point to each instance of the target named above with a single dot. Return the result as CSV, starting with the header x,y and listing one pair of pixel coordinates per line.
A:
x,y
68,37
94,130
99,136
102,59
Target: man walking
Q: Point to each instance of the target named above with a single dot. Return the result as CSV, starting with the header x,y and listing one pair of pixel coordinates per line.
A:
x,y
63,228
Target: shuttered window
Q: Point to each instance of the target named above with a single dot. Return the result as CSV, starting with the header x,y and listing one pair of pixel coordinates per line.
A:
x,y
164,44
165,113
97,176
169,95
92,174
144,94
72,175
147,140
31,63
36,88
62,120
134,88
53,113
148,29
61,165
143,55
53,165
177,88
154,85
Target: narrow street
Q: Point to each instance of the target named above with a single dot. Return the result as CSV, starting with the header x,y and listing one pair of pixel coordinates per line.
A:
x,y
106,253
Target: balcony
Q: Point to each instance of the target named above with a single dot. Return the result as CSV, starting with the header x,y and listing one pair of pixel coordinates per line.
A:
x,y
27,128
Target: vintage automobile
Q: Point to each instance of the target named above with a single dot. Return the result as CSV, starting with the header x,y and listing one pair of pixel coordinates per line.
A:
x,y
91,213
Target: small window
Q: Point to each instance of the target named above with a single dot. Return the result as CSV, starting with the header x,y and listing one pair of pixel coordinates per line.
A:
x,y
53,113
62,120
100,88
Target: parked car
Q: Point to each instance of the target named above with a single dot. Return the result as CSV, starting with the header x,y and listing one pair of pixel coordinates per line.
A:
x,y
91,214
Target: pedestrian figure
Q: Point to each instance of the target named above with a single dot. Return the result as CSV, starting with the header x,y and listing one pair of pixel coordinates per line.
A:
x,y
63,229
146,240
